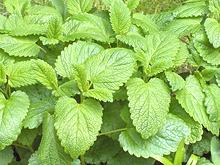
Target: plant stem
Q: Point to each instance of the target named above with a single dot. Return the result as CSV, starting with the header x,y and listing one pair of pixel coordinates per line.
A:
x,y
24,147
113,131
83,162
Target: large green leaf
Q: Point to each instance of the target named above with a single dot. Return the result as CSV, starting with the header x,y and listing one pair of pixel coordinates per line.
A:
x,y
19,47
110,68
75,54
21,74
77,125
192,98
50,150
77,6
12,114
149,105
45,74
165,141
120,17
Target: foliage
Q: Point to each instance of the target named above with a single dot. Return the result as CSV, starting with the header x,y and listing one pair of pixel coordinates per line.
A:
x,y
84,84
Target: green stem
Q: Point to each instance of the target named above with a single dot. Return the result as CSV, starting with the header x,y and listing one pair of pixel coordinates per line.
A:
x,y
83,162
24,147
113,131
163,160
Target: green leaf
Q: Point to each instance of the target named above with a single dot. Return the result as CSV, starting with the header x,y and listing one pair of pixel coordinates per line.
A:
x,y
132,4
196,129
120,17
212,28
77,125
184,26
212,102
45,74
215,150
149,105
17,6
12,114
68,88
5,59
175,80
145,22
191,98
110,68
165,141
19,47
60,5
103,150
6,156
206,50
88,26
124,158
214,8
160,53
78,6
21,74
204,161
27,137
191,8
54,32
75,54
50,150
41,101
100,94
3,79
111,118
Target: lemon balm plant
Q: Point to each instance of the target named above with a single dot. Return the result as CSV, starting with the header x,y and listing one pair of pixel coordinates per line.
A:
x,y
82,84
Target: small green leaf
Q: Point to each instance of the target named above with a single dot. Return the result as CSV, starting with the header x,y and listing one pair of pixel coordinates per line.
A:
x,y
132,4
175,80
77,6
101,94
215,150
45,74
120,17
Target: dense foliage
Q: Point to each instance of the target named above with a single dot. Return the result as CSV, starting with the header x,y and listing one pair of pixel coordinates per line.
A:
x,y
82,83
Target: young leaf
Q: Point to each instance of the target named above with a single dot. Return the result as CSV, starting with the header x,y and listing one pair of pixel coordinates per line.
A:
x,y
212,28
165,141
110,68
132,4
13,111
145,23
175,80
75,54
148,114
45,74
160,53
19,47
77,6
120,17
101,94
191,98
77,125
